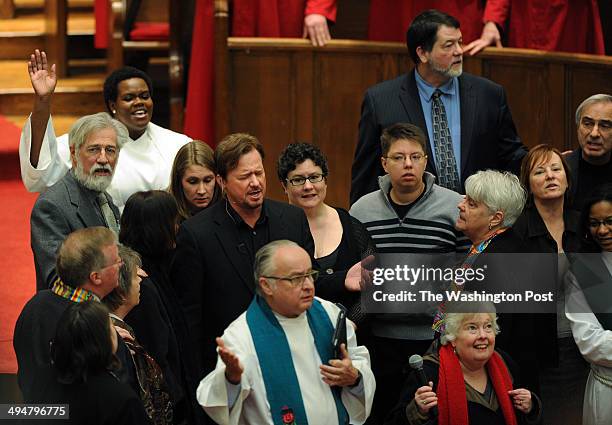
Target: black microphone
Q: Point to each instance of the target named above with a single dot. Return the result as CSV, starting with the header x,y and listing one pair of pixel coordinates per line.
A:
x,y
242,248
416,363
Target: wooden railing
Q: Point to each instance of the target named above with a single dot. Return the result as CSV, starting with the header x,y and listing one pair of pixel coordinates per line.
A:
x,y
284,90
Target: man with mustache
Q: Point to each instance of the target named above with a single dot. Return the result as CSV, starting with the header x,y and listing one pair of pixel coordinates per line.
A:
x,y
466,118
79,199
591,163
276,360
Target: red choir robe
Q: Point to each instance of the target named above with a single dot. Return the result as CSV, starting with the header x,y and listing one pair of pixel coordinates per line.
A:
x,y
389,19
276,18
558,25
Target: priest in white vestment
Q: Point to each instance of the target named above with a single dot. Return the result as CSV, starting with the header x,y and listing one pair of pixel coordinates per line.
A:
x,y
270,368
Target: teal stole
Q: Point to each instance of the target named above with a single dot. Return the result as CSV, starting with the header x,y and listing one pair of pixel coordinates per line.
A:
x,y
274,356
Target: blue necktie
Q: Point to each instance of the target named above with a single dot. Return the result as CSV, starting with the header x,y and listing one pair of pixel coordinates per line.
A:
x,y
448,175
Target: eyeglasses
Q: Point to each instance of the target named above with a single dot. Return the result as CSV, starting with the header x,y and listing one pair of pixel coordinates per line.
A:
x,y
300,181
95,151
401,158
298,280
594,224
117,263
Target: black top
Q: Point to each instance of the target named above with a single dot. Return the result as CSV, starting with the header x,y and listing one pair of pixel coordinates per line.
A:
x,y
585,177
252,238
102,400
355,245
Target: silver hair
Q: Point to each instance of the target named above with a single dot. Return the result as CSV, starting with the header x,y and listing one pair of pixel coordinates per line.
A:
x,y
458,312
499,191
84,126
264,260
596,98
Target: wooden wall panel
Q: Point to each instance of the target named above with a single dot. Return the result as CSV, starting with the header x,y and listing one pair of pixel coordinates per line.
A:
x,y
528,98
263,100
338,108
284,90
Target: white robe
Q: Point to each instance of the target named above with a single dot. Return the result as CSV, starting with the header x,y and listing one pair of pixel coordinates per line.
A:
x,y
595,344
251,405
143,164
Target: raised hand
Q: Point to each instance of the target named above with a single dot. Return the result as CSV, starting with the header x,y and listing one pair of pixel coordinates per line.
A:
x,y
340,372
358,276
233,368
43,78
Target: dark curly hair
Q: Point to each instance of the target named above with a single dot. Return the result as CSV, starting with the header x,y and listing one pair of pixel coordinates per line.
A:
x,y
82,345
112,82
296,153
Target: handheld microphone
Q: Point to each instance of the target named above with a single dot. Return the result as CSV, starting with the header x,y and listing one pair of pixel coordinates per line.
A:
x,y
416,363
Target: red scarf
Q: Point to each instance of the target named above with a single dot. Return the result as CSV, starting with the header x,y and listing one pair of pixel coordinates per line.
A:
x,y
452,400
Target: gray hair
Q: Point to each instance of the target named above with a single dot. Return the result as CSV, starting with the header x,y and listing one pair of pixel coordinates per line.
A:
x,y
264,259
131,262
457,312
84,126
596,98
499,191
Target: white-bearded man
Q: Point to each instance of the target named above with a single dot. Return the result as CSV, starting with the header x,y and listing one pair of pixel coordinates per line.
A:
x,y
79,199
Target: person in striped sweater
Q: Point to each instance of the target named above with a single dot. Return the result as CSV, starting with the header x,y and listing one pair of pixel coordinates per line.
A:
x,y
411,221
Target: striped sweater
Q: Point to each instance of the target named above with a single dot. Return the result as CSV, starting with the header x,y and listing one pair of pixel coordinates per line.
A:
x,y
428,227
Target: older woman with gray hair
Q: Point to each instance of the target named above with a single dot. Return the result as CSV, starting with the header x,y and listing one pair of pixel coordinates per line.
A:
x,y
470,382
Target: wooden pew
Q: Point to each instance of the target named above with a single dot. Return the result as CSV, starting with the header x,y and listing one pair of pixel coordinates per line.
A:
x,y
7,9
284,90
151,11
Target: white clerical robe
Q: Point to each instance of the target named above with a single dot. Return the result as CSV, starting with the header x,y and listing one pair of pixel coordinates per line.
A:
x,y
251,405
143,164
595,344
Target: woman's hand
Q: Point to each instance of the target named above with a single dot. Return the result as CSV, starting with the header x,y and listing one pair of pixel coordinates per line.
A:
x,y
425,398
521,399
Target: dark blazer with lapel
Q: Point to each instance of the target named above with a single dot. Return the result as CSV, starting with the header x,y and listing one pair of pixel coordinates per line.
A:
x,y
60,210
214,279
488,134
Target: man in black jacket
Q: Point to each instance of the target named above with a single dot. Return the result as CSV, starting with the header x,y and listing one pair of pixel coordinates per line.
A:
x,y
466,119
215,251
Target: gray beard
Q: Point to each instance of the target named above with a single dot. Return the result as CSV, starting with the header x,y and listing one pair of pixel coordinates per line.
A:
x,y
90,181
448,72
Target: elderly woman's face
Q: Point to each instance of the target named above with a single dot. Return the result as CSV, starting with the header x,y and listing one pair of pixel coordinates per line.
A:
x,y
475,340
301,190
547,179
474,219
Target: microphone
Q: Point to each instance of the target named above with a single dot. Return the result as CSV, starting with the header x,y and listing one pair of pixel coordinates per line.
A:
x,y
416,363
242,248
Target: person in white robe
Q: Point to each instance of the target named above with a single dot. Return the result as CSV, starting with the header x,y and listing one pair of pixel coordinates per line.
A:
x,y
236,391
146,159
589,308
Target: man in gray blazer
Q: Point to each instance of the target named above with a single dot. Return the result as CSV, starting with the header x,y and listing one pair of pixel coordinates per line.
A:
x,y
79,199
465,118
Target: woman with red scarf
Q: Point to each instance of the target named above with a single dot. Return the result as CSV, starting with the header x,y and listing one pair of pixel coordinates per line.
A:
x,y
470,382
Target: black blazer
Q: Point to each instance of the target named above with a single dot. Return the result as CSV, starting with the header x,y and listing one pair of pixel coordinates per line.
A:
x,y
488,134
213,278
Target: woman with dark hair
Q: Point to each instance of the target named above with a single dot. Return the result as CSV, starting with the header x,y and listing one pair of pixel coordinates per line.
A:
x,y
192,180
548,226
588,307
83,356
152,386
148,225
340,240
146,159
